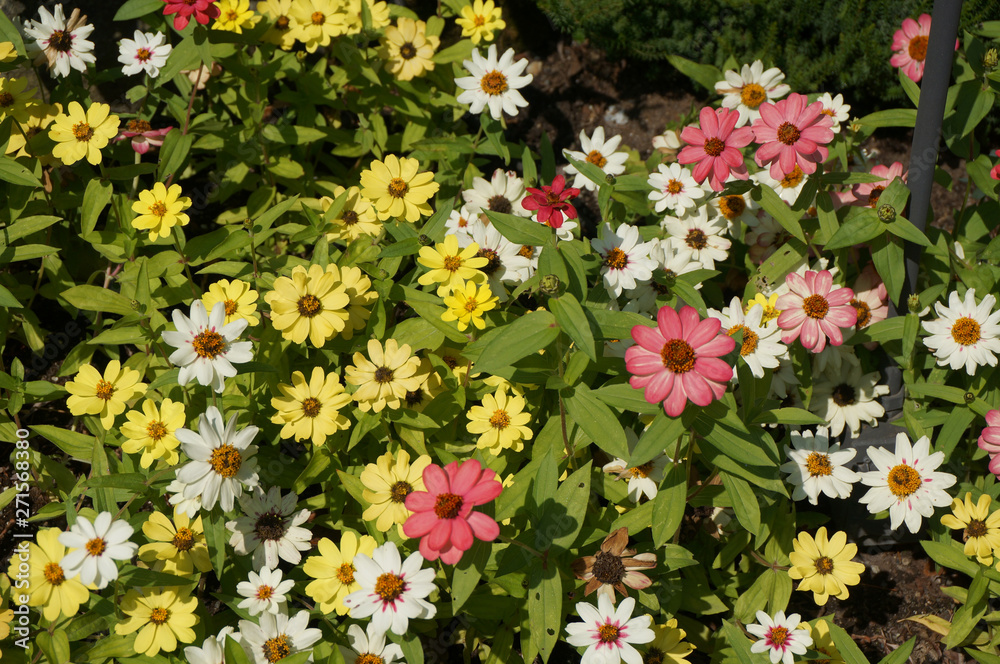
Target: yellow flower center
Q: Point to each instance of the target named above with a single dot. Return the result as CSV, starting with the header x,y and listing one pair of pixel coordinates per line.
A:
x,y
311,407
209,344
674,186
156,430
452,263
398,187
779,636
976,528
616,259
714,147
818,464
184,539
407,51
143,54
678,356
158,209
479,21
226,461
383,375
500,419
318,18
788,133
493,262
816,306
232,15
641,471
864,312
918,48
965,331
389,587
750,339
471,304
82,132
159,615
752,95
96,546
139,126
277,648
596,158
54,574
282,23
264,592
793,179
732,206
309,306
903,481
824,565
527,251
230,306
493,83
399,492
448,505
696,239
607,633
345,574
104,390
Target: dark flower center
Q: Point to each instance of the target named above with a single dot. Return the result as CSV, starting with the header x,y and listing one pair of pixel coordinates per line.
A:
x,y
843,395
608,568
499,203
61,40
270,526
788,133
448,505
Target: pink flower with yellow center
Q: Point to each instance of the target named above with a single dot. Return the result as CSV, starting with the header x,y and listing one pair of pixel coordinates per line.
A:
x,y
814,311
909,44
715,147
867,194
792,132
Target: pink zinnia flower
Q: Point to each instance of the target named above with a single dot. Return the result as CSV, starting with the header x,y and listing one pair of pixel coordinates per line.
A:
x,y
814,311
871,300
678,360
143,135
552,201
989,440
442,515
792,132
202,10
995,171
716,147
867,193
910,44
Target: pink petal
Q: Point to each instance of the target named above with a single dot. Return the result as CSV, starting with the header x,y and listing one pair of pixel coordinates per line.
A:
x,y
419,524
648,338
669,324
697,388
714,369
483,527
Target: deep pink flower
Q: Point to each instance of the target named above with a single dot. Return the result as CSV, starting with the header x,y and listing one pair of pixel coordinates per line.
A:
x,y
995,171
442,515
814,310
867,193
792,131
202,10
678,360
716,147
989,440
143,135
552,201
910,46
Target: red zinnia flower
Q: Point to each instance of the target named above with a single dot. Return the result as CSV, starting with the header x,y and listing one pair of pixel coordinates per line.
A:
x,y
867,193
815,311
995,171
442,515
552,201
202,10
678,360
715,146
792,131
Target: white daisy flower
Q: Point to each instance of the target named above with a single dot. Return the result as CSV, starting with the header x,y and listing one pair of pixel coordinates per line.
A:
x,y
503,193
737,209
747,90
206,346
780,636
835,108
669,142
906,483
94,548
965,333
847,399
222,462
530,255
672,260
278,636
761,346
600,153
505,261
146,53
460,222
369,646
62,44
494,83
626,259
213,649
392,590
788,188
703,236
270,528
642,480
608,633
264,592
815,466
190,506
674,188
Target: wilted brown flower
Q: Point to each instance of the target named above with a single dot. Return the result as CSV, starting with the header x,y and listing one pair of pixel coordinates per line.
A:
x,y
614,567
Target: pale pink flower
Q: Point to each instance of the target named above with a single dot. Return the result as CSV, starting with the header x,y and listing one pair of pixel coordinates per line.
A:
x,y
678,360
716,147
143,135
815,311
792,132
989,440
910,46
871,299
867,193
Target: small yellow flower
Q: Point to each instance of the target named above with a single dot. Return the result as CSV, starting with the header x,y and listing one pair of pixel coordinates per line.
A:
x,y
467,303
431,386
357,218
669,645
316,22
160,209
407,49
980,529
458,364
387,484
40,116
768,303
358,289
823,642
311,410
311,304
234,15
280,32
179,545
397,190
162,617
80,133
8,52
15,99
479,20
94,394
501,423
384,379
237,296
824,565
152,431
450,266
333,571
379,12
48,586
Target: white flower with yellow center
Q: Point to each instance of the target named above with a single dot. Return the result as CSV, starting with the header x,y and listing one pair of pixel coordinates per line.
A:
x,y
788,188
625,259
761,345
264,592
906,483
752,86
815,466
847,399
278,636
965,333
835,108
701,235
674,187
493,83
608,632
599,152
642,480
738,209
94,547
392,590
221,463
207,346
369,646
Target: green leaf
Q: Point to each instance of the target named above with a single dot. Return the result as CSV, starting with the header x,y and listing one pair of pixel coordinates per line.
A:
x,y
901,654
24,227
292,135
495,137
95,199
55,646
744,502
887,254
76,445
467,574
788,416
138,576
859,228
522,337
9,32
588,170
573,321
779,209
8,300
895,117
625,397
94,298
663,431
669,504
264,221
235,654
573,495
13,172
134,9
545,597
596,420
849,650
173,153
951,555
970,613
216,538
723,429
706,75
134,482
741,645
520,230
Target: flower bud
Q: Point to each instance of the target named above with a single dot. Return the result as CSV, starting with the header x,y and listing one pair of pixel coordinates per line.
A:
x,y
135,305
970,398
549,284
425,241
886,213
248,223
913,303
611,179
990,60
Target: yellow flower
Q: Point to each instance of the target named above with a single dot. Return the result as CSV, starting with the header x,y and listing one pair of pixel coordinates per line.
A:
x,y
396,188
387,483
179,544
823,642
458,364
379,12
311,409
316,22
152,431
357,286
668,646
6,613
824,565
385,379
980,529
467,303
40,116
334,570
450,266
80,133
357,217
407,49
280,32
768,303
234,15
161,616
94,394
240,301
501,421
479,20
15,99
48,586
310,304
431,386
160,209
8,52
